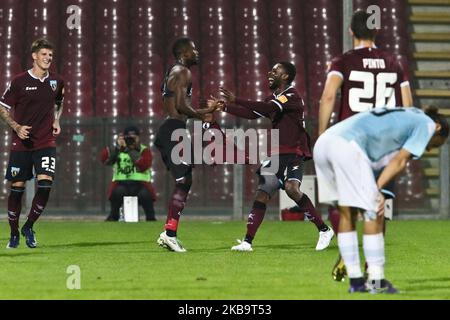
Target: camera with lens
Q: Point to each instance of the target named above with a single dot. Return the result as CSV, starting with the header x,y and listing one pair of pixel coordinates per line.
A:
x,y
130,141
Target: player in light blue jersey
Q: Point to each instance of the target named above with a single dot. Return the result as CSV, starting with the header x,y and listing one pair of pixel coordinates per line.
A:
x,y
347,155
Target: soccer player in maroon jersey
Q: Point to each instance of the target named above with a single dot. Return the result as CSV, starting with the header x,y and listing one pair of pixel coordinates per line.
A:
x,y
368,78
177,93
285,109
36,98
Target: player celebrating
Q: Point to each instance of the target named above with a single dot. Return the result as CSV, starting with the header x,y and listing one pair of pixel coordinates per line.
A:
x,y
36,97
368,78
285,109
345,156
177,92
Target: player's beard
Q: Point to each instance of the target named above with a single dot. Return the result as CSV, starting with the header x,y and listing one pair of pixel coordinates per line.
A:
x,y
275,84
194,62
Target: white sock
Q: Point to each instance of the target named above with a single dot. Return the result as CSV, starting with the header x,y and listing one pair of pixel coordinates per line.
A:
x,y
348,246
374,252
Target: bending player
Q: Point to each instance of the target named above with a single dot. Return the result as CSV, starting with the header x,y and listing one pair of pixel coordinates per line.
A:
x,y
36,97
285,109
345,156
368,78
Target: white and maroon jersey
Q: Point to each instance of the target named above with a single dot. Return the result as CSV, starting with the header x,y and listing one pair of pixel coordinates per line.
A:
x,y
372,78
286,111
32,102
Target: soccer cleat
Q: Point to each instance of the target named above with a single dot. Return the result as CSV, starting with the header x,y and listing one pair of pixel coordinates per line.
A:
x,y
382,286
356,289
242,246
358,285
339,271
325,238
170,243
13,242
30,239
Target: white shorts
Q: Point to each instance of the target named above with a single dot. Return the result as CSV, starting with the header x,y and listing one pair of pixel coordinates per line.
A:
x,y
344,174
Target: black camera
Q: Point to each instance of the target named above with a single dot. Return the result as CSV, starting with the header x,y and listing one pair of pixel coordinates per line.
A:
x,y
130,141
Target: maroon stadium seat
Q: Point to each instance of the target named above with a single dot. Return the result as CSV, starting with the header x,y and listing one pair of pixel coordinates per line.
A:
x,y
11,22
43,21
287,42
253,56
409,187
76,64
324,37
11,25
147,59
112,52
217,44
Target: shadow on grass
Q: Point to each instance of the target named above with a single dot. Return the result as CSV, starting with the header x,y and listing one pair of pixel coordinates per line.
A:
x,y
12,254
431,284
416,281
91,244
286,246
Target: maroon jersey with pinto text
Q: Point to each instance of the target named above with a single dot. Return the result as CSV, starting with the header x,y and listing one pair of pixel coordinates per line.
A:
x,y
31,102
286,110
372,78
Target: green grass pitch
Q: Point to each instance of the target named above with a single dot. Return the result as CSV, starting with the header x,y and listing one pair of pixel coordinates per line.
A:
x,y
122,261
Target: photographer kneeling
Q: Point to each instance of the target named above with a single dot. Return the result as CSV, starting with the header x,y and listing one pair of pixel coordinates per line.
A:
x,y
131,163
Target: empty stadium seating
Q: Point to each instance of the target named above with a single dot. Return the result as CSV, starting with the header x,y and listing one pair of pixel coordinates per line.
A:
x,y
114,64
112,58
324,37
287,34
147,57
77,54
42,18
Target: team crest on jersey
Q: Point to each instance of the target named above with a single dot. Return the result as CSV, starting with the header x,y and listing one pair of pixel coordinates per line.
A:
x,y
15,171
54,84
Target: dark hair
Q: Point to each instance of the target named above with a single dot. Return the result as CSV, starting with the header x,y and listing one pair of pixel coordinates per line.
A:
x,y
179,46
360,28
129,129
434,114
290,70
41,43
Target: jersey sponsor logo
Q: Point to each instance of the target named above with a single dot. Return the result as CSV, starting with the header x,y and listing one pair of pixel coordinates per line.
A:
x,y
54,84
15,171
295,168
30,88
283,99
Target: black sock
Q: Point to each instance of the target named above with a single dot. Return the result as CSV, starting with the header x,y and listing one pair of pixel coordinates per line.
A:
x,y
248,239
171,233
323,228
28,224
357,282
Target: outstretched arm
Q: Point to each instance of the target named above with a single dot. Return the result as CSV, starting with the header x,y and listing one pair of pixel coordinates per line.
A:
x,y
262,109
232,108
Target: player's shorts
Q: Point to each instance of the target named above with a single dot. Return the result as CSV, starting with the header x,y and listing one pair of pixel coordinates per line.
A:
x,y
344,174
21,163
165,146
276,170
